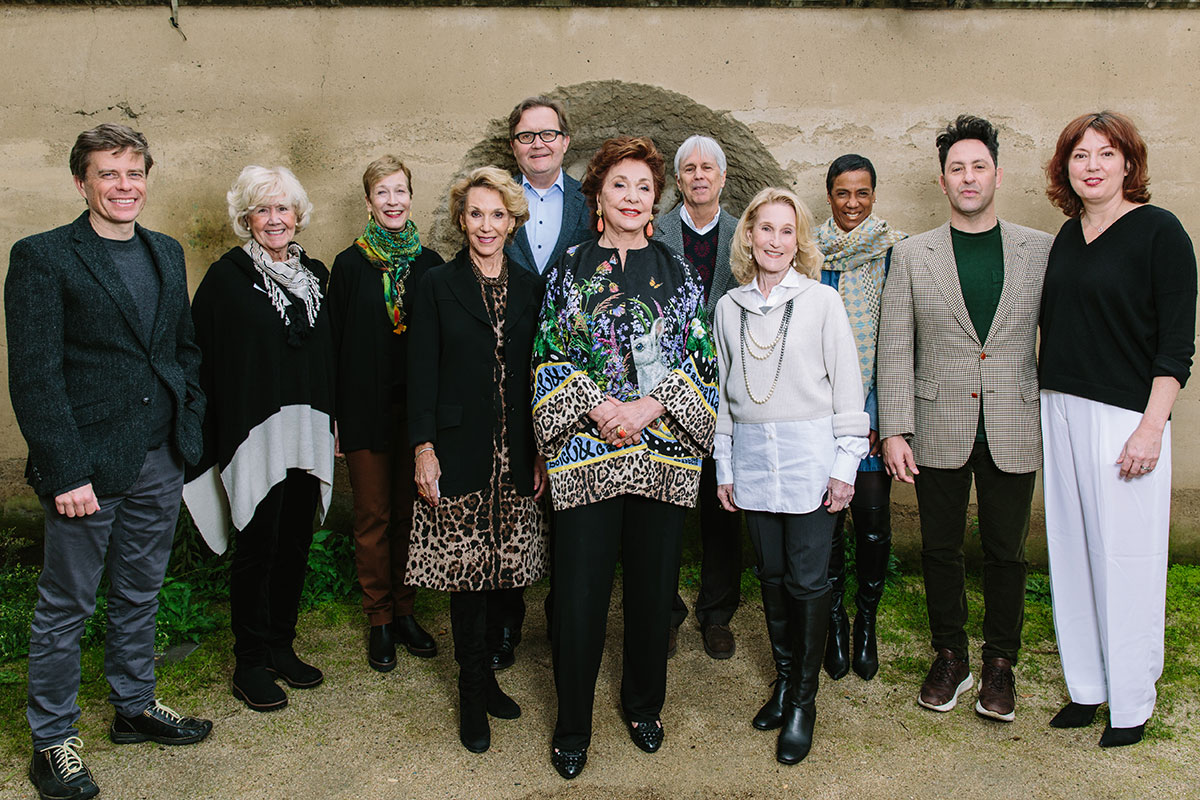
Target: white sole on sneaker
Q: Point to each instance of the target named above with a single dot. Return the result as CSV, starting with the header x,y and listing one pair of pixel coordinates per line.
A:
x,y
967,683
996,715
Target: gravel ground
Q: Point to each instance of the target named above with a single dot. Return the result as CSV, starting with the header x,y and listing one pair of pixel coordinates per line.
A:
x,y
366,735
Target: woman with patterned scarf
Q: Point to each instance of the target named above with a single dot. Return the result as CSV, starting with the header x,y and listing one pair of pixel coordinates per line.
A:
x,y
857,247
267,371
370,295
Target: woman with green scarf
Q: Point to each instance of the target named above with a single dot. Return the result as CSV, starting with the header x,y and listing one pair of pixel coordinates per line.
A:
x,y
858,247
369,296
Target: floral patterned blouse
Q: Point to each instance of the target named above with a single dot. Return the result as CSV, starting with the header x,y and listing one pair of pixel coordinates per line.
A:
x,y
626,332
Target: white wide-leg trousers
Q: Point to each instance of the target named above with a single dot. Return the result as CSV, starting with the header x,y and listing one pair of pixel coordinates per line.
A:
x,y
1107,541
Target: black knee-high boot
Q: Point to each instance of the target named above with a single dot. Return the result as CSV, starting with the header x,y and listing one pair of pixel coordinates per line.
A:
x,y
468,623
837,647
873,547
775,609
809,622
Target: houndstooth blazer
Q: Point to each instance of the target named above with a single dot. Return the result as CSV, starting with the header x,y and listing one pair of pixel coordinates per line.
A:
x,y
933,371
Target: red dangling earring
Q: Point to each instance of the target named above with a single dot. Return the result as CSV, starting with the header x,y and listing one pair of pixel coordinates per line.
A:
x,y
650,227
599,222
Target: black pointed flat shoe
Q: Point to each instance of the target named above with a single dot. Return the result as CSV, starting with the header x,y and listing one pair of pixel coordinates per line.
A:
x,y
648,736
568,763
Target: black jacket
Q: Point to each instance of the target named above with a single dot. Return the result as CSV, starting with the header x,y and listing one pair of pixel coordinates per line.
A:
x,y
452,400
81,376
372,362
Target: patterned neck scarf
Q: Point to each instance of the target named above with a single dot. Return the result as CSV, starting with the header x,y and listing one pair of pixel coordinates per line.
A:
x,y
391,253
861,258
286,281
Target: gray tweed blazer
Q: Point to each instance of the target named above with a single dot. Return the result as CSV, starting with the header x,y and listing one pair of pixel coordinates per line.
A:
x,y
933,371
669,229
81,374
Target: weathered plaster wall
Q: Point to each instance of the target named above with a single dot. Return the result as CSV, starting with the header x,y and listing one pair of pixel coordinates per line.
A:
x,y
326,90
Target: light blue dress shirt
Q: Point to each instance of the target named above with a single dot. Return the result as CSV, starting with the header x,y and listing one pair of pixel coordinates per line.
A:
x,y
545,219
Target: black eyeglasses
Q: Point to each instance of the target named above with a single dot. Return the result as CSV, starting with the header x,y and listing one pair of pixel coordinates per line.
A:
x,y
547,136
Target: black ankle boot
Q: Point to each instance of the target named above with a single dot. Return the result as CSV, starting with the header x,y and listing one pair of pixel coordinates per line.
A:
x,y
775,609
499,704
809,623
837,647
873,551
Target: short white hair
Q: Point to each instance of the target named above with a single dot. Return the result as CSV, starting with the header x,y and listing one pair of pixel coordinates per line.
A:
x,y
707,146
255,186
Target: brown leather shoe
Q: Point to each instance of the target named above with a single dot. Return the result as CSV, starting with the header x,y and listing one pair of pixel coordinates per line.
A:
x,y
997,694
718,641
948,677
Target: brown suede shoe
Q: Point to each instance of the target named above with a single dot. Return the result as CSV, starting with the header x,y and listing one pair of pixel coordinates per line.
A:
x,y
718,641
997,694
948,677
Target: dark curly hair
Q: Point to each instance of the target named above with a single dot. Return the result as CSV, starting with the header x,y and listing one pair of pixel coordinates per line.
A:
x,y
614,151
968,127
1122,134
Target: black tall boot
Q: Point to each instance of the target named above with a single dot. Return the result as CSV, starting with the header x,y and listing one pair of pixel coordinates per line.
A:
x,y
874,547
837,647
775,609
809,623
468,623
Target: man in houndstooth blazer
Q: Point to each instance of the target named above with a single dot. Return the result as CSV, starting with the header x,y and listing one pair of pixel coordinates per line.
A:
x,y
958,398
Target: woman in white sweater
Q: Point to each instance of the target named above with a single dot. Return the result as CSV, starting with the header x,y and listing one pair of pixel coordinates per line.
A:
x,y
790,432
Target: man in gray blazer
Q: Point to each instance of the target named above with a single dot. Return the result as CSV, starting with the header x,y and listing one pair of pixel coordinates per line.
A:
x,y
539,134
103,376
958,398
701,231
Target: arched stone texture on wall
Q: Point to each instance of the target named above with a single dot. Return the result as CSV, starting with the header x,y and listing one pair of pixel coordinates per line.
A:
x,y
600,110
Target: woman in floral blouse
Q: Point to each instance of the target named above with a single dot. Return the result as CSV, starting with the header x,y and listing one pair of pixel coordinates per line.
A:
x,y
624,408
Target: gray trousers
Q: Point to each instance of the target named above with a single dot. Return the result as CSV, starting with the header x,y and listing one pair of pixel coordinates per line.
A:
x,y
793,550
131,536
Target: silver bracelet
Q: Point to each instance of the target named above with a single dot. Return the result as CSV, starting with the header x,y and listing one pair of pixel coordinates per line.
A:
x,y
423,450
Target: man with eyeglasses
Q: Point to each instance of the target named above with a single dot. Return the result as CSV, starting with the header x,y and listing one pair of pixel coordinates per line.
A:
x,y
701,231
558,217
539,134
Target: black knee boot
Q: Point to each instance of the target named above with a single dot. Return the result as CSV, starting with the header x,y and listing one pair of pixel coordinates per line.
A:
x,y
874,547
775,609
837,647
809,622
468,623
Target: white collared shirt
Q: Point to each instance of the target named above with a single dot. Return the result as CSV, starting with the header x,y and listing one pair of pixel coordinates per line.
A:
x,y
545,219
687,220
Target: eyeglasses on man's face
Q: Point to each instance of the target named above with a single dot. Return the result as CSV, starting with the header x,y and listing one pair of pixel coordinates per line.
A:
x,y
547,136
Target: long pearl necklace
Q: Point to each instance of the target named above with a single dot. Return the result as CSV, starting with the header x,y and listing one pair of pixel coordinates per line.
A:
x,y
780,340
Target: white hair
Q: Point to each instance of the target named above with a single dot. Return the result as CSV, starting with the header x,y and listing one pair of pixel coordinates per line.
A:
x,y
706,145
256,186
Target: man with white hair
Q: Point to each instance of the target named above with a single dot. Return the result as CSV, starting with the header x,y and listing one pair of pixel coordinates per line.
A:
x,y
700,230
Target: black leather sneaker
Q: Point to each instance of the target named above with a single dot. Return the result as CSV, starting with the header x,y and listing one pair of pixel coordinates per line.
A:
x,y
58,773
158,724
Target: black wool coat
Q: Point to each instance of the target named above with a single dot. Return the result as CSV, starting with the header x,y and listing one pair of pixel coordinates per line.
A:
x,y
372,361
452,399
81,376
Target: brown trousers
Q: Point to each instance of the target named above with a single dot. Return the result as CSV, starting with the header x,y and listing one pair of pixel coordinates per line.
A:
x,y
383,486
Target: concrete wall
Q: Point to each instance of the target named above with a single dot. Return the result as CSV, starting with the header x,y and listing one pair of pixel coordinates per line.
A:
x,y
327,90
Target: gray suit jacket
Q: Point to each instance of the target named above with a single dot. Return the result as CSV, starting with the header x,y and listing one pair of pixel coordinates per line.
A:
x,y
934,372
80,372
669,229
576,227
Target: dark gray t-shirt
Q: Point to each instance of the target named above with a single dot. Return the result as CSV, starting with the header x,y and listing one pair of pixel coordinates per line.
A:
x,y
139,274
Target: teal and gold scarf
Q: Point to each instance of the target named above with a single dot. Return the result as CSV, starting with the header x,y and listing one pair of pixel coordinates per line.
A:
x,y
861,258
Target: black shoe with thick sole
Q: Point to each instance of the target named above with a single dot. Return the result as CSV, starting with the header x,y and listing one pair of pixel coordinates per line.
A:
x,y
158,724
58,773
284,663
255,687
416,640
381,648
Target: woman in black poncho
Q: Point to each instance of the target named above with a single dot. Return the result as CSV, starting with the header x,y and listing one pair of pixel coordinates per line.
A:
x,y
267,370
